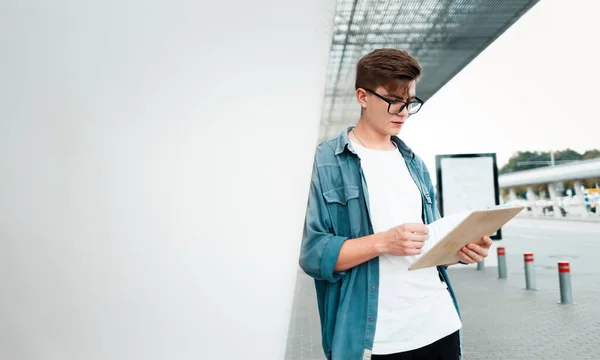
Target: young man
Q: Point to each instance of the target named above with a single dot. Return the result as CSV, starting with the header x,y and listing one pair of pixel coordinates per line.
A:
x,y
370,200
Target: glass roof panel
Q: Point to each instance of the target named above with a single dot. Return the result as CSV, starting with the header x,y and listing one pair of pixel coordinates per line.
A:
x,y
444,35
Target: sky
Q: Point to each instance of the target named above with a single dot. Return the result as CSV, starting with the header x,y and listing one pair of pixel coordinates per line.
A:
x,y
534,88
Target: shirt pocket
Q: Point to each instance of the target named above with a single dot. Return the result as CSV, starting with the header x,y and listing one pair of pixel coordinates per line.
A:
x,y
341,195
344,210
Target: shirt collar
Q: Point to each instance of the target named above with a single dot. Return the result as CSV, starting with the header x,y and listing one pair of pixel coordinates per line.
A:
x,y
343,142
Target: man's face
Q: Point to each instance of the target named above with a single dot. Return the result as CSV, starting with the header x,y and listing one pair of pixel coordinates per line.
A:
x,y
375,109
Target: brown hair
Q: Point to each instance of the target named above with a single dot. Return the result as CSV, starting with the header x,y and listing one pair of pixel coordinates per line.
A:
x,y
390,68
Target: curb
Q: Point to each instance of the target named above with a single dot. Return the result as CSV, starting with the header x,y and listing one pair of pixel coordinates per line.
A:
x,y
589,219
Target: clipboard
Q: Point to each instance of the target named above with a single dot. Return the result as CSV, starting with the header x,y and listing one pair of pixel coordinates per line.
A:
x,y
473,227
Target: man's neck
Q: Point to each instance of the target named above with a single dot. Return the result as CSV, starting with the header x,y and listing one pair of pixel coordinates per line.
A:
x,y
371,138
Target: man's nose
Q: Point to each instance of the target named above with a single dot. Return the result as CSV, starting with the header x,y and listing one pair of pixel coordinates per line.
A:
x,y
404,112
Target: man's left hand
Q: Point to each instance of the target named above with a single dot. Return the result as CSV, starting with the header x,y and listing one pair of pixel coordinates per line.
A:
x,y
475,252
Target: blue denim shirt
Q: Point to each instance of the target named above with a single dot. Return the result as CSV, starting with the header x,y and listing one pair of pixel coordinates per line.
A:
x,y
338,210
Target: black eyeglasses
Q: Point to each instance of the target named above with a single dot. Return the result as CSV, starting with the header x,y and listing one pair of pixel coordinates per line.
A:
x,y
395,107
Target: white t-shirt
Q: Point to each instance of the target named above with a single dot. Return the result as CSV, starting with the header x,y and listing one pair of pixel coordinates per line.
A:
x,y
415,308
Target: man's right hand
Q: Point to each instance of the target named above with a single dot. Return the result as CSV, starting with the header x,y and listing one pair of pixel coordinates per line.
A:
x,y
404,240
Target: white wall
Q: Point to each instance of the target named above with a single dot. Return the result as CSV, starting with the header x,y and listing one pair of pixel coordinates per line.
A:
x,y
154,166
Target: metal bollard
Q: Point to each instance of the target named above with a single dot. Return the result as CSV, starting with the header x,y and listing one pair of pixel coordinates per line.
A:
x,y
529,272
564,279
480,265
501,262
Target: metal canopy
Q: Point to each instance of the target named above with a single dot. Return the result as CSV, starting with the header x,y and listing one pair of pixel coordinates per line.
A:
x,y
577,170
444,35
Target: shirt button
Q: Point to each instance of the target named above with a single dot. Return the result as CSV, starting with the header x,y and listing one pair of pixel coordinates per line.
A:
x,y
371,319
373,287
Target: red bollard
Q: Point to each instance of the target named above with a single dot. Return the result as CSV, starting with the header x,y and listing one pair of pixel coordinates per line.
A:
x,y
564,279
501,262
529,272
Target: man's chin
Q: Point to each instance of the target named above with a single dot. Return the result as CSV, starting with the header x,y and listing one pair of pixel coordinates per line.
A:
x,y
394,132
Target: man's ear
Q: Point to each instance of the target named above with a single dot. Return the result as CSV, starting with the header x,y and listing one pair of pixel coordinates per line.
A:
x,y
361,97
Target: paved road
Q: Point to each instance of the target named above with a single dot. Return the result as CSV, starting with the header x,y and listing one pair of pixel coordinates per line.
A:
x,y
501,319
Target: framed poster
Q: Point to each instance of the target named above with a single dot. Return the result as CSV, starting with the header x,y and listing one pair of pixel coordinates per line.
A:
x,y
467,182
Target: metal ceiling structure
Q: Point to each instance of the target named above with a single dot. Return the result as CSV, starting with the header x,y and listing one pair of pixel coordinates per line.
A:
x,y
577,170
444,35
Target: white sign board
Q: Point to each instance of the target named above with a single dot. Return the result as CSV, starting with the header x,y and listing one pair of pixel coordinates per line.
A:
x,y
467,182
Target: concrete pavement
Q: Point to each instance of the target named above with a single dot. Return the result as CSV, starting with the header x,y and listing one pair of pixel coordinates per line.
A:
x,y
502,320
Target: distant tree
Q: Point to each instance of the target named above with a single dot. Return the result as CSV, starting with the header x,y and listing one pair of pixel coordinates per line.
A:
x,y
567,154
591,154
514,165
